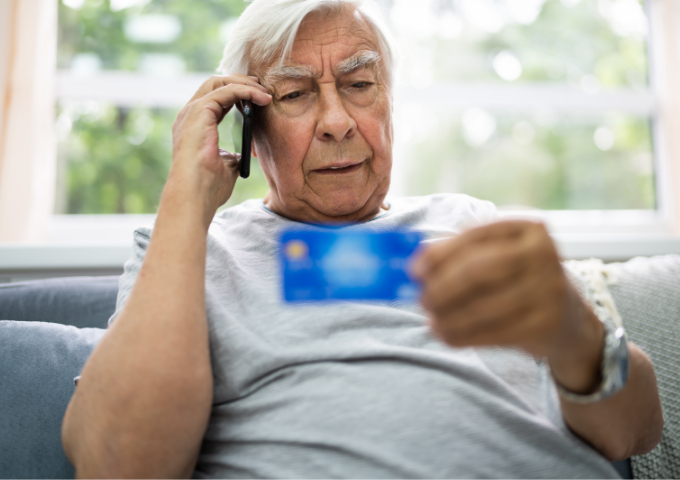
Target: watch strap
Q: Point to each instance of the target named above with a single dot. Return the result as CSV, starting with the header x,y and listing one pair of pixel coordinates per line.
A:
x,y
613,368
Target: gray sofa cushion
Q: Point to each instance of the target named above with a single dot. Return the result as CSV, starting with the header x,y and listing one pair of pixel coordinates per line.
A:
x,y
647,295
78,301
37,364
646,292
39,360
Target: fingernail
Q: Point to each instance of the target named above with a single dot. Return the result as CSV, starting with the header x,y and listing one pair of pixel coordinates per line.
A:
x,y
418,267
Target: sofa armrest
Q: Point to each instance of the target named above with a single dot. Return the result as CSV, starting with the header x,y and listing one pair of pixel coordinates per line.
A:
x,y
84,302
38,362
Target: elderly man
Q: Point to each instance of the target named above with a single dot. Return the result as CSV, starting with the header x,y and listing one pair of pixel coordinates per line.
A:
x,y
205,372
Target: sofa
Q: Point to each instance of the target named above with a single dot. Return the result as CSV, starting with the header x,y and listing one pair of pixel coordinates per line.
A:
x,y
48,329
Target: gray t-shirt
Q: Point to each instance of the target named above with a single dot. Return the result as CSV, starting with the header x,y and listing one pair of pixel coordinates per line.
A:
x,y
362,389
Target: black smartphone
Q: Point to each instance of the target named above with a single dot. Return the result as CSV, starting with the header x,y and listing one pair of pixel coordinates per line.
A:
x,y
244,163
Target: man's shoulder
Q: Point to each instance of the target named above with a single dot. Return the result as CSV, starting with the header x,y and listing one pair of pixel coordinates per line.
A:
x,y
448,199
243,213
247,208
447,208
249,219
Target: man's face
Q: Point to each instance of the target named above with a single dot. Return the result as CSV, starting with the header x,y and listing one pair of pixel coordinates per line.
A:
x,y
327,144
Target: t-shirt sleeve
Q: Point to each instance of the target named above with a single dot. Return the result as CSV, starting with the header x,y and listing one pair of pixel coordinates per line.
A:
x,y
131,269
484,211
469,212
455,213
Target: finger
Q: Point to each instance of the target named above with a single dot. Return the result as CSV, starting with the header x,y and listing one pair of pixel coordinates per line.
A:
x,y
228,95
438,251
231,162
229,156
435,253
490,312
224,162
219,81
530,324
459,281
224,98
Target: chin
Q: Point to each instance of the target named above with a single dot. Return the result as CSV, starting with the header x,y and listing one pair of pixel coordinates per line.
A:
x,y
348,205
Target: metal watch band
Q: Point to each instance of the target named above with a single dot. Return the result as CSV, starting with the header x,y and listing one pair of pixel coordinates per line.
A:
x,y
614,367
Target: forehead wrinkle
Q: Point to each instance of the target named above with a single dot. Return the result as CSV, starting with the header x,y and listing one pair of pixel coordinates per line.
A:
x,y
312,38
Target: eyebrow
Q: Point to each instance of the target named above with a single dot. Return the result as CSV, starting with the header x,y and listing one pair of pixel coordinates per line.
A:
x,y
358,61
349,65
284,71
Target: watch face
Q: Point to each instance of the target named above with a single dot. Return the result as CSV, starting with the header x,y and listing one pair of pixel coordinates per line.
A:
x,y
621,355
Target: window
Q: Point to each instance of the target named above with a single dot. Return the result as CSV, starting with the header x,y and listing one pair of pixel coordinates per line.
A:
x,y
533,104
126,67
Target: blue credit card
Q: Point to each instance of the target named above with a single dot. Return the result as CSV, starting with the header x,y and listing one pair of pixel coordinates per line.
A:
x,y
347,265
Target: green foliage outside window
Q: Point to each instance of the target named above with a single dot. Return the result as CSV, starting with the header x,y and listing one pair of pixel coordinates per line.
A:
x,y
115,160
95,28
560,168
118,159
575,45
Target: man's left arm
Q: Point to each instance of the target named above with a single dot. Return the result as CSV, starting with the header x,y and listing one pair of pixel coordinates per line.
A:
x,y
628,423
502,284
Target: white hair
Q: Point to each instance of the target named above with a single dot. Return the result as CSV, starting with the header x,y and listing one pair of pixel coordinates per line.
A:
x,y
267,28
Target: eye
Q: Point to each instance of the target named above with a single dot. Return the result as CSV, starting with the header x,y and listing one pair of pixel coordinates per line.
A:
x,y
360,84
292,96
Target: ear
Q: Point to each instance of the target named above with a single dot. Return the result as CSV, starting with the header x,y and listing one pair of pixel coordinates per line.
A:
x,y
253,148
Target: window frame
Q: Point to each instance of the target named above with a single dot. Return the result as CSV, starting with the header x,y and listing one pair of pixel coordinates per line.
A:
x,y
659,102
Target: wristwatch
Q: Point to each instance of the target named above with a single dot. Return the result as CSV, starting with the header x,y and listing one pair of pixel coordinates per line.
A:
x,y
614,367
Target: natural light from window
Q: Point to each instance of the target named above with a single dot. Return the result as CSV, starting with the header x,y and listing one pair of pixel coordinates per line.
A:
x,y
542,104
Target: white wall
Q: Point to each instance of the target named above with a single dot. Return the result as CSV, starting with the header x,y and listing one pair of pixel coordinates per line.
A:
x,y
6,15
665,58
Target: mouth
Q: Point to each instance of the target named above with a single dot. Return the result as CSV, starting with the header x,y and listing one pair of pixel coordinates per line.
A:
x,y
340,168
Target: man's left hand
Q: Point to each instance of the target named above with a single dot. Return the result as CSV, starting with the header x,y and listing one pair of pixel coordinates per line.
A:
x,y
502,284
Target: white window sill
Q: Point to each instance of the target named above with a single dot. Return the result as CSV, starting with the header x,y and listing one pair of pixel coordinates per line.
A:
x,y
100,244
615,247
27,262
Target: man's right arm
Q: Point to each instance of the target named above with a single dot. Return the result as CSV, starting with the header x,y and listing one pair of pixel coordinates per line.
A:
x,y
144,397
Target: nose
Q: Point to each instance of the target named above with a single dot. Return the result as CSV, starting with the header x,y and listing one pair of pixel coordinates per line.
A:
x,y
334,122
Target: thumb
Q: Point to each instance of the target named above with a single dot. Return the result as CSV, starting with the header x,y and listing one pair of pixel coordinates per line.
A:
x,y
229,158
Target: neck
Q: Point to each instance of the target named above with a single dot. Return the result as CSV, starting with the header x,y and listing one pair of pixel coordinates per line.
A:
x,y
362,215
